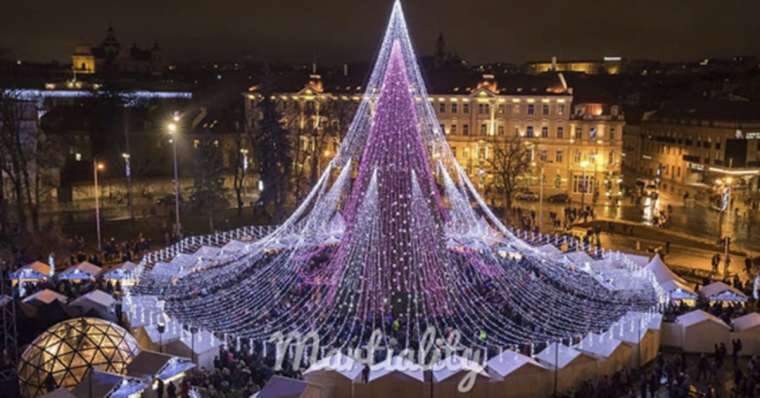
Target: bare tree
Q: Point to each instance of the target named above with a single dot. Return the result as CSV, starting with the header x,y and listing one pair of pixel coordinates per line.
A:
x,y
509,161
239,163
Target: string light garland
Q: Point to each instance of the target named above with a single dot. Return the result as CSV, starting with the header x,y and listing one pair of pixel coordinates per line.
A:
x,y
394,237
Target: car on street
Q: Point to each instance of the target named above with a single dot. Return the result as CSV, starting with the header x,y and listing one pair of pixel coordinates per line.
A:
x,y
527,196
559,198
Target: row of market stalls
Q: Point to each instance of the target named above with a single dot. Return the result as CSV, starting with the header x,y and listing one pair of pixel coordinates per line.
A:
x,y
698,332
95,303
678,289
126,273
633,340
39,272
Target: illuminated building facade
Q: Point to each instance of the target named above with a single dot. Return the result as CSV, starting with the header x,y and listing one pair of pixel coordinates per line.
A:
x,y
691,146
578,146
606,65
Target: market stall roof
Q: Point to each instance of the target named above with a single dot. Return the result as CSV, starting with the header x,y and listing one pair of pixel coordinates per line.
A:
x,y
97,384
123,271
339,363
508,362
746,322
661,271
560,357
699,316
454,364
96,296
83,270
396,364
719,291
45,296
36,270
207,252
599,345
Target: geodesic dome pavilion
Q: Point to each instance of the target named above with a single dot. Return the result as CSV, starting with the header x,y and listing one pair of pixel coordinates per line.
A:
x,y
62,355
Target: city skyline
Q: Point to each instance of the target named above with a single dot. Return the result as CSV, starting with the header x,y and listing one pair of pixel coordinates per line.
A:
x,y
485,32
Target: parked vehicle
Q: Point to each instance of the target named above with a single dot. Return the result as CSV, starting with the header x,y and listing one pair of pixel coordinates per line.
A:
x,y
559,198
527,196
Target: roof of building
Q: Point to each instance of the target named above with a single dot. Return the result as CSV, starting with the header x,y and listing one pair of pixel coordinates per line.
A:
x,y
708,111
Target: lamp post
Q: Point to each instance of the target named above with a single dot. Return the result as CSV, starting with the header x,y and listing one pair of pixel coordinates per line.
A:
x,y
584,165
128,175
96,167
172,128
723,219
161,327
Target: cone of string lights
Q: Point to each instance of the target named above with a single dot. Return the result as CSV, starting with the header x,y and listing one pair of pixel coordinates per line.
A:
x,y
393,237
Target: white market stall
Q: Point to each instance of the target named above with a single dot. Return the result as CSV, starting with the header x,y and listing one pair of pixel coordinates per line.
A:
x,y
202,347
44,297
80,272
97,300
722,293
747,328
700,331
125,274
573,366
518,376
33,272
454,373
395,377
336,373
612,354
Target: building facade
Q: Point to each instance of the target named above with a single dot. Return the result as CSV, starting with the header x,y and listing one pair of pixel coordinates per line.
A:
x,y
577,147
693,147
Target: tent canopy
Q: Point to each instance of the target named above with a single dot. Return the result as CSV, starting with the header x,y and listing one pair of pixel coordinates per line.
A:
x,y
207,252
508,362
720,291
698,316
34,271
96,296
83,270
602,346
746,322
339,363
123,271
396,364
455,364
661,271
46,296
559,355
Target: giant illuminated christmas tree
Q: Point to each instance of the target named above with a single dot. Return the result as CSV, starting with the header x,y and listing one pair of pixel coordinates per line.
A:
x,y
389,239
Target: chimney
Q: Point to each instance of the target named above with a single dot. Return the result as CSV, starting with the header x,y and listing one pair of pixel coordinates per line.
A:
x,y
554,63
345,70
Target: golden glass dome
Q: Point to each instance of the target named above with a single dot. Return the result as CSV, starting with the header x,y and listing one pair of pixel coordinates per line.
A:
x,y
62,355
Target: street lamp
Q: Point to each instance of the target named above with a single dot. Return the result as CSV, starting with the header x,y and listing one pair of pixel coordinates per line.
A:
x,y
171,129
128,175
584,165
97,167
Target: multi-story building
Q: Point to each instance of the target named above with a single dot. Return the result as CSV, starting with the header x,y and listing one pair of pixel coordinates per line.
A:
x,y
606,65
576,146
693,146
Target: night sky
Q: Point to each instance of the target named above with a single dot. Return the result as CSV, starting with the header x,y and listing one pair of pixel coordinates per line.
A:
x,y
333,31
